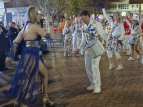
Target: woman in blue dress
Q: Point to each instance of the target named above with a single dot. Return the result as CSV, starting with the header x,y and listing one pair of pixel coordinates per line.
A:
x,y
26,80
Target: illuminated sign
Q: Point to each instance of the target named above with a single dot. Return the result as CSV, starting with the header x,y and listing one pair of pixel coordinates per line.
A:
x,y
1,4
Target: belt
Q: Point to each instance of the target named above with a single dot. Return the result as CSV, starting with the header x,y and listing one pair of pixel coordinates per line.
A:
x,y
40,52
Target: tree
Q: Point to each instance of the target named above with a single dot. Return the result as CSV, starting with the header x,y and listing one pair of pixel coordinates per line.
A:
x,y
91,5
52,7
18,4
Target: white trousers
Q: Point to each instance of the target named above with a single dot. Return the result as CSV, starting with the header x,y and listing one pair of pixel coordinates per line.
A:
x,y
126,45
78,43
74,43
110,54
92,69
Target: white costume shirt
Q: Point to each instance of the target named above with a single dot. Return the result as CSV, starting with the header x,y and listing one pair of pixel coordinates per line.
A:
x,y
75,30
99,31
119,30
134,30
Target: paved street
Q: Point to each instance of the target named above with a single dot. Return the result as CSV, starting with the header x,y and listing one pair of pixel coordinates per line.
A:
x,y
68,82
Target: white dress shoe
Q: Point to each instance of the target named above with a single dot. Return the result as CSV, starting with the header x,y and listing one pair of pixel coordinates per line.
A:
x,y
90,87
97,90
111,66
131,59
119,67
138,56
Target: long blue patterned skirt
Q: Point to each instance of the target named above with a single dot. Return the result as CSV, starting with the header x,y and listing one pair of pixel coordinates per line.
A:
x,y
26,79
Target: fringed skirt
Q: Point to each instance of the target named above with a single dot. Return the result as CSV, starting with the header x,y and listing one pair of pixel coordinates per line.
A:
x,y
26,80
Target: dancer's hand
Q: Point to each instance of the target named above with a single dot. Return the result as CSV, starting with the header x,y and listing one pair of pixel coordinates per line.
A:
x,y
100,5
76,52
8,61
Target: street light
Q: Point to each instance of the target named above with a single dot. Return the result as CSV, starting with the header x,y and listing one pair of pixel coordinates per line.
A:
x,y
39,12
123,13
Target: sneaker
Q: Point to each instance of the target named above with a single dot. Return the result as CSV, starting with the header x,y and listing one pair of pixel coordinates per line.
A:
x,y
124,51
78,55
73,52
119,67
82,54
111,66
97,90
65,54
131,59
91,87
138,56
128,54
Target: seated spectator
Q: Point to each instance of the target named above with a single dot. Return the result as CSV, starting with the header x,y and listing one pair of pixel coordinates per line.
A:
x,y
44,47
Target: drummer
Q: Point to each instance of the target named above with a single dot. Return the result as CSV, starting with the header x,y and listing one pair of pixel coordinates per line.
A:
x,y
91,64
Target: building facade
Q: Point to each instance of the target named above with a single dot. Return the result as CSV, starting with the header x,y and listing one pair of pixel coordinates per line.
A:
x,y
124,6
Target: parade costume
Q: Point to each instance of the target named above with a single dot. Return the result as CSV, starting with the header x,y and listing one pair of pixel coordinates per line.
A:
x,y
26,78
68,41
127,36
114,42
79,38
75,29
134,33
92,64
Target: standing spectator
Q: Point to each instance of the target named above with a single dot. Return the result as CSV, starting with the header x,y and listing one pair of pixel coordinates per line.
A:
x,y
18,29
2,50
19,48
41,22
12,33
5,31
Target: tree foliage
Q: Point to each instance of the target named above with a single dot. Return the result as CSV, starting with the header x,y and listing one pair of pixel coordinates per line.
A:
x,y
74,7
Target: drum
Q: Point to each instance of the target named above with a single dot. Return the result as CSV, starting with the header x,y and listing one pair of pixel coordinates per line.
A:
x,y
95,48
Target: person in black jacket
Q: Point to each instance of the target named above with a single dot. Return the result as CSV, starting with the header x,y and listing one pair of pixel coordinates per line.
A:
x,y
5,31
12,33
19,48
2,50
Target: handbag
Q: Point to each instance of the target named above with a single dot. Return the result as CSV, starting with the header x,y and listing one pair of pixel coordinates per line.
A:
x,y
94,47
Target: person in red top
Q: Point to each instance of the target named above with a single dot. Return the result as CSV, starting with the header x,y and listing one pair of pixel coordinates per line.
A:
x,y
126,46
142,24
142,35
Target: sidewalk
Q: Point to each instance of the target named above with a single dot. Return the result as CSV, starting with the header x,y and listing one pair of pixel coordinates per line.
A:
x,y
68,82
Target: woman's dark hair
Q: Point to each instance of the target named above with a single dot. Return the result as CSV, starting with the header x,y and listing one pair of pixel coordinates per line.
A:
x,y
131,14
136,22
13,23
111,17
84,13
118,15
